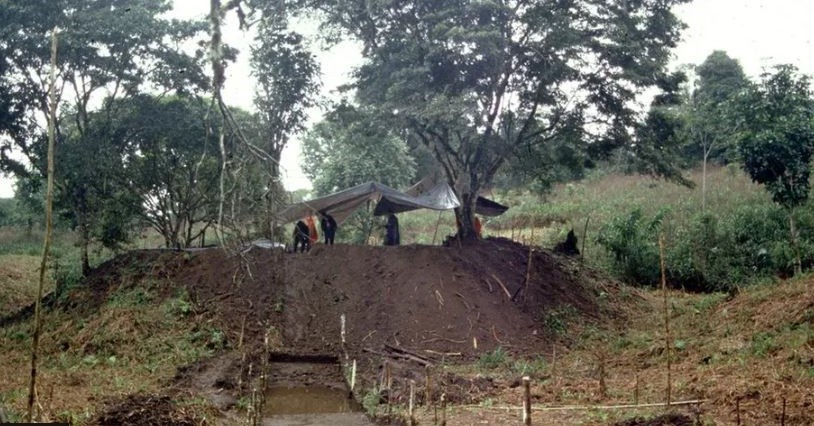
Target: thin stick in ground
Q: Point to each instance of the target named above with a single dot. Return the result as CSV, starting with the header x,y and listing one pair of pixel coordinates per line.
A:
x,y
49,196
666,318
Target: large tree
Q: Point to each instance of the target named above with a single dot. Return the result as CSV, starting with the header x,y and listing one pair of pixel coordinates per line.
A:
x,y
476,81
776,139
107,49
708,115
168,162
351,146
286,73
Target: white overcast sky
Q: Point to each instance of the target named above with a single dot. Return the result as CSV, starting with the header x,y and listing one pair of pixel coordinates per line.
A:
x,y
758,33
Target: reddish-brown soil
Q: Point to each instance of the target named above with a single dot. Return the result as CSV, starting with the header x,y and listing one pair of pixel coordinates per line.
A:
x,y
428,303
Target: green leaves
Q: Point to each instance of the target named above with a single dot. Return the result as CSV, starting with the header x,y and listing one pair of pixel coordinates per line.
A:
x,y
776,140
476,82
352,146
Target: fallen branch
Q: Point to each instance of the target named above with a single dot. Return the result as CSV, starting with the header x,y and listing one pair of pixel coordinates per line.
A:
x,y
395,352
505,290
369,335
437,339
439,298
588,407
463,299
494,334
430,351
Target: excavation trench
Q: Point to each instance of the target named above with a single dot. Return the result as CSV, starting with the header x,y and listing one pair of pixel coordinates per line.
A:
x,y
309,389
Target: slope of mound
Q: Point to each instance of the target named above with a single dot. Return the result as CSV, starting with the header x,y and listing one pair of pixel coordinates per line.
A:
x,y
423,300
466,300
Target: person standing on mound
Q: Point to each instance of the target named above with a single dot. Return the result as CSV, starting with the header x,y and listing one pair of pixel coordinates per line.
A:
x,y
392,237
312,229
328,225
302,239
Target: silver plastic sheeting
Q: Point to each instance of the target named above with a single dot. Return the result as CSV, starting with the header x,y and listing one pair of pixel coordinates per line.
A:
x,y
439,197
342,204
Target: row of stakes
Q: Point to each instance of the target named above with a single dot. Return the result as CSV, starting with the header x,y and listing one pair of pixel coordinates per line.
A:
x,y
411,405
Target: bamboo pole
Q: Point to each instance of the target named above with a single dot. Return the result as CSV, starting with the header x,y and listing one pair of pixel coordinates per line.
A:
x,y
666,318
49,196
438,222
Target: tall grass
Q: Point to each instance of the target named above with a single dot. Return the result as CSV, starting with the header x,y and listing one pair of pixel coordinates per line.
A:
x,y
737,238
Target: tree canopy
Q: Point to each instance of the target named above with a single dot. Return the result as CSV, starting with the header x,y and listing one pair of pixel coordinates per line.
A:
x,y
475,81
776,138
351,147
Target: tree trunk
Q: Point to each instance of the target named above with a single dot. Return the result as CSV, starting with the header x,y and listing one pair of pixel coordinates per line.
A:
x,y
84,242
465,217
798,268
704,180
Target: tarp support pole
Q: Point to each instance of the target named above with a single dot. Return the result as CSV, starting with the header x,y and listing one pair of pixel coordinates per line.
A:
x,y
438,222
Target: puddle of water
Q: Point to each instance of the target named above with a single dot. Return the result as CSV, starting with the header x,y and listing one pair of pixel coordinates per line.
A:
x,y
307,400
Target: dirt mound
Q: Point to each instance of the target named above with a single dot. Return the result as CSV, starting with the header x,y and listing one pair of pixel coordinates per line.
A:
x,y
433,300
425,304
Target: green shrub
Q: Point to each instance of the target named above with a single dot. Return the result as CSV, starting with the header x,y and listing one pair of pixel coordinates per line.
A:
x,y
632,239
494,359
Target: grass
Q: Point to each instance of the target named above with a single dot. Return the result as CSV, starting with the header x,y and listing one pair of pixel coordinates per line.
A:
x,y
134,343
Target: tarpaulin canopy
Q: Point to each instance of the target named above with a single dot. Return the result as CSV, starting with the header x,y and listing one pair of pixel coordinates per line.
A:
x,y
341,204
483,205
487,207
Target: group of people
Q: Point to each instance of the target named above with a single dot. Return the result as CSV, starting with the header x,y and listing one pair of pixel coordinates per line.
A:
x,y
305,232
306,235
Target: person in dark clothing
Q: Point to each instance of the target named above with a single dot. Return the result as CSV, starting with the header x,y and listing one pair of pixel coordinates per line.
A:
x,y
392,237
302,237
328,225
569,246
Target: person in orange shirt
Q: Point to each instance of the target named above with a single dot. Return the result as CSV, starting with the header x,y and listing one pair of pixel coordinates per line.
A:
x,y
312,229
478,227
475,222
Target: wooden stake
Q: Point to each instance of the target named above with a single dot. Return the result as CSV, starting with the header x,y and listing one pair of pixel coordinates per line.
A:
x,y
46,246
526,400
435,234
666,318
603,389
428,388
387,384
528,274
584,237
738,411
353,376
636,391
783,414
443,409
342,335
412,398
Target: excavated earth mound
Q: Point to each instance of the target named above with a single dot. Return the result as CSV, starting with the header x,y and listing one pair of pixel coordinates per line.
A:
x,y
414,304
